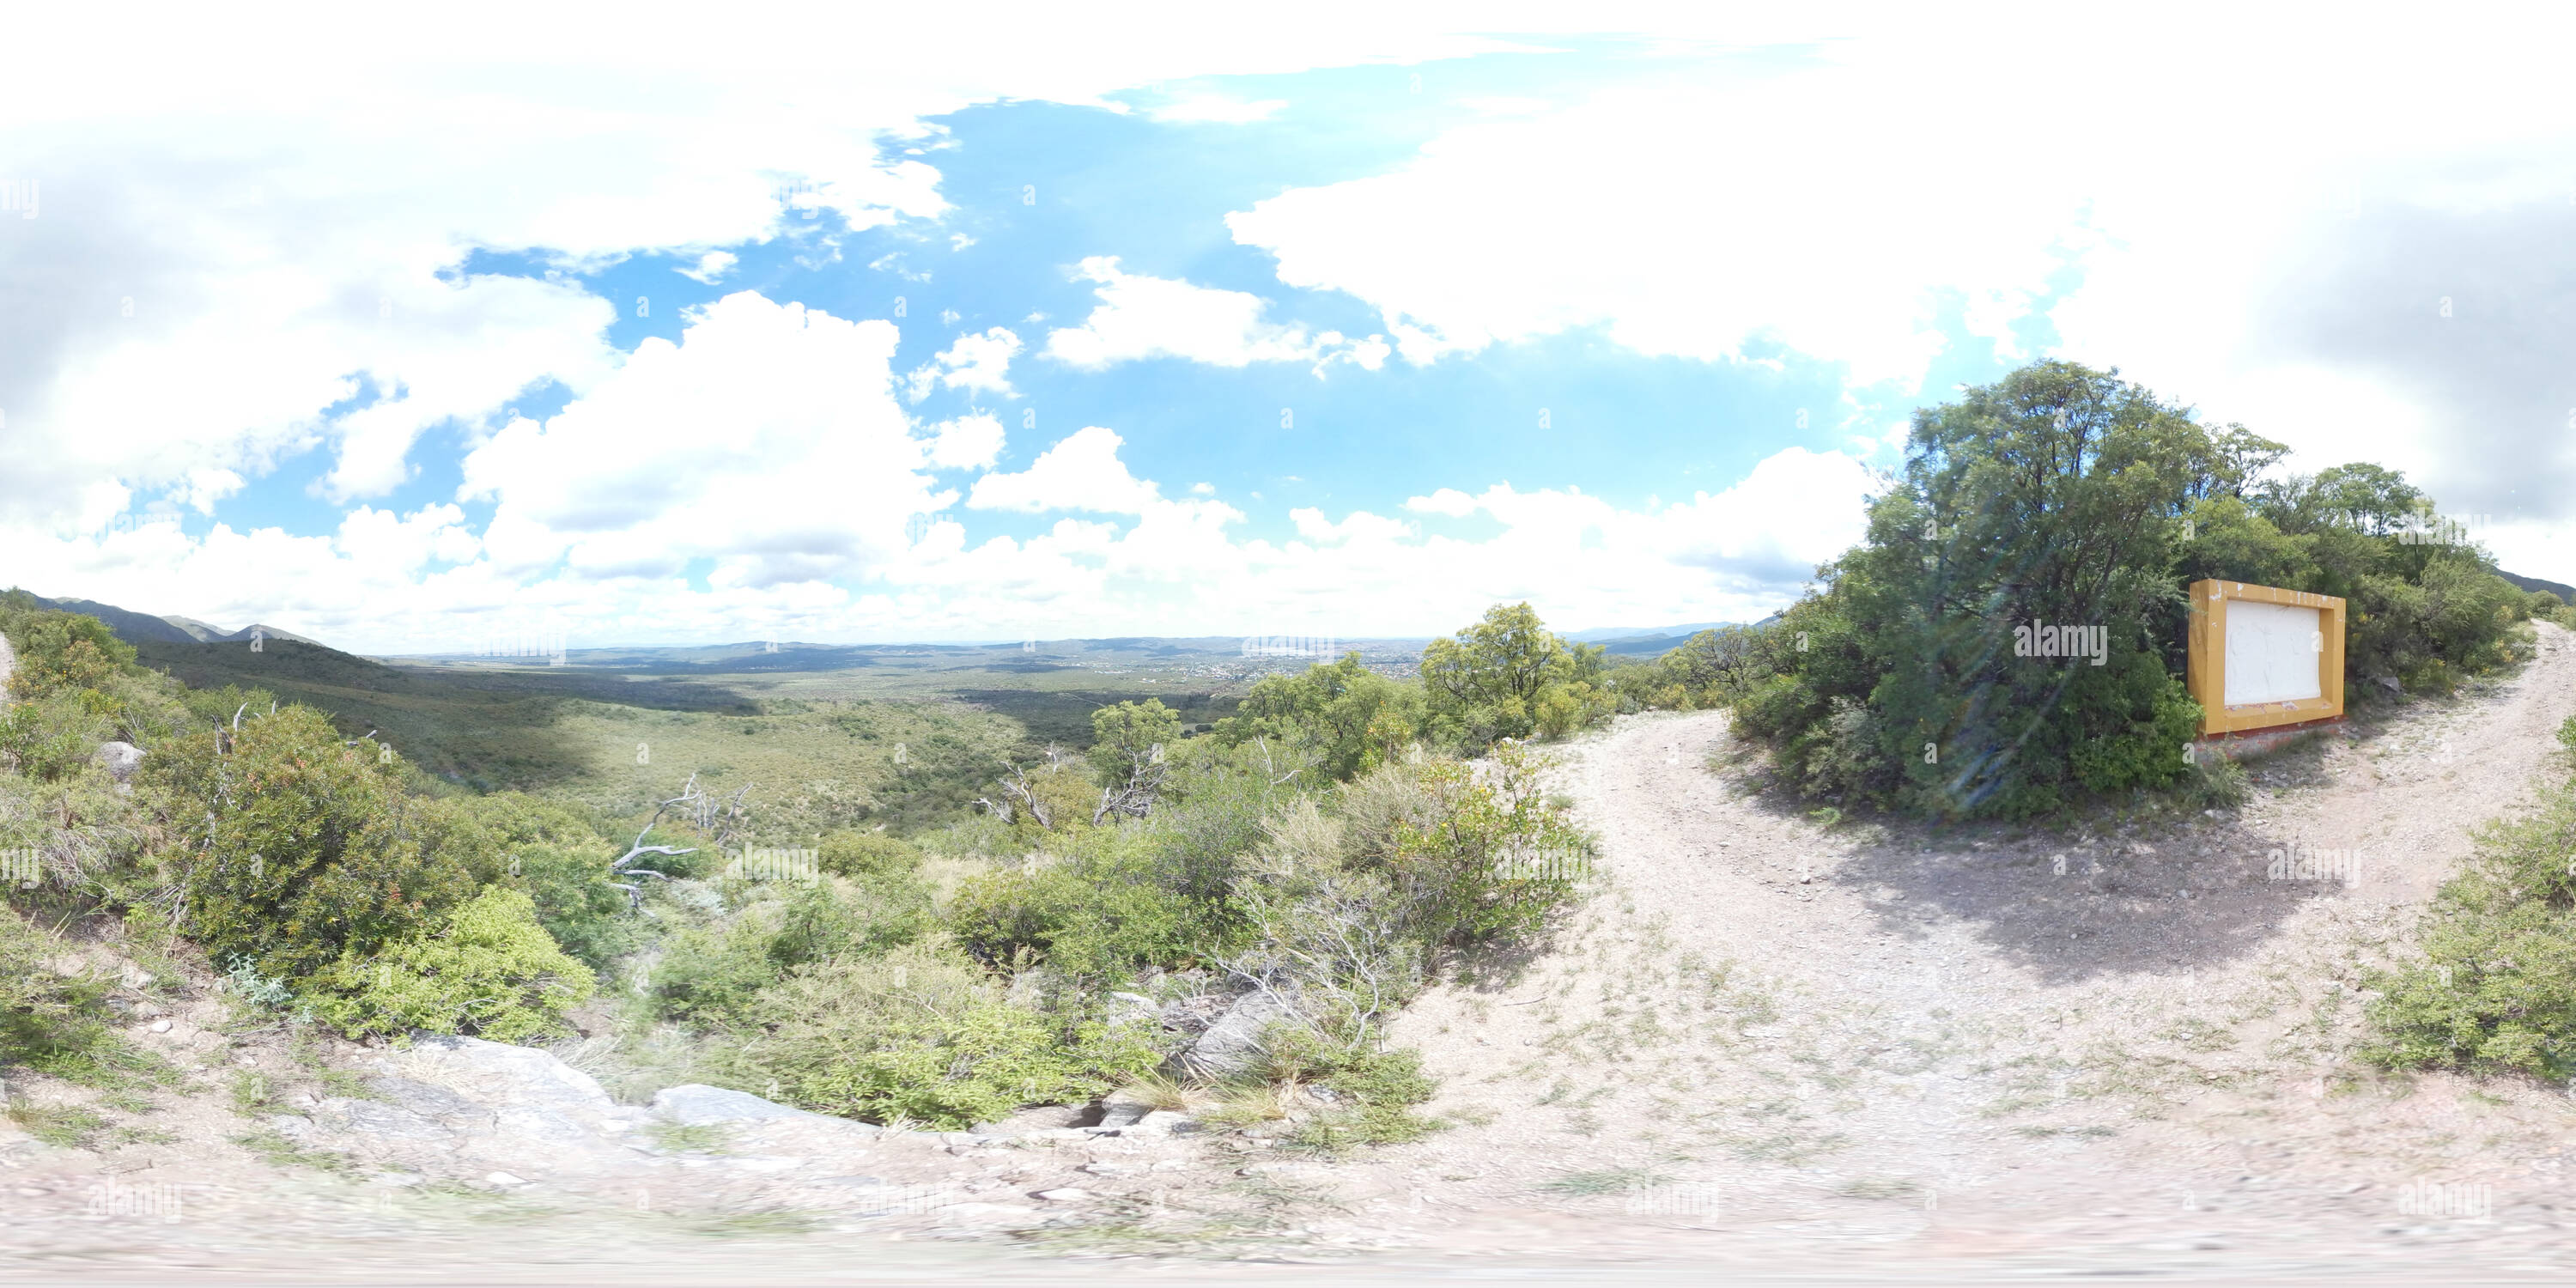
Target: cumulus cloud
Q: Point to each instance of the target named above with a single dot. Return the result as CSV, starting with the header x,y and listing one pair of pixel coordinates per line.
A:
x,y
978,362
1159,317
1081,473
765,441
968,442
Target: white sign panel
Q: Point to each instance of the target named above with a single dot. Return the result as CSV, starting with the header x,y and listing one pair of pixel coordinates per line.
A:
x,y
2272,652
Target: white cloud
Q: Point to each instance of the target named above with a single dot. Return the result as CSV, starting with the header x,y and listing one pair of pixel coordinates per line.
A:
x,y
1081,473
1197,109
977,362
711,267
968,442
1448,500
1159,317
765,442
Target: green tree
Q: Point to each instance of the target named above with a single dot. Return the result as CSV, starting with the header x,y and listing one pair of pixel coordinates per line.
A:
x,y
294,849
1353,718
2050,499
1507,675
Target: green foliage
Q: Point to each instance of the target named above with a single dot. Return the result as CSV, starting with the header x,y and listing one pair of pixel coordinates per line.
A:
x,y
2497,988
59,652
920,1034
1130,736
487,969
1710,669
1350,718
44,1016
294,849
850,853
1489,858
712,974
1508,676
1094,918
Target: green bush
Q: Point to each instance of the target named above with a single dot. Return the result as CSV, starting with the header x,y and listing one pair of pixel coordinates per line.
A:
x,y
45,1017
851,853
1095,919
294,849
921,1034
1352,718
712,974
487,969
2497,988
1494,859
1508,676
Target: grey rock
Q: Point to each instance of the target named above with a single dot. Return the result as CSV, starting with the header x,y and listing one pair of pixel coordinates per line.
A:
x,y
376,1118
295,1127
1171,1120
1118,1109
519,1124
121,759
1231,1047
494,1073
697,1103
424,1098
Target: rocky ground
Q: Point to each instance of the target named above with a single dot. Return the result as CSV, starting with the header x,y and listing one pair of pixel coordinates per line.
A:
x,y
1768,1042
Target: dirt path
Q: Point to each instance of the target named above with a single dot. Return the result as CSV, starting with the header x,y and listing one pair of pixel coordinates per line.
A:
x,y
2116,1042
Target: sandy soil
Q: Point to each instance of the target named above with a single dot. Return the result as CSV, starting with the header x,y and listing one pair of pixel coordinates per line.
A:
x,y
1764,1044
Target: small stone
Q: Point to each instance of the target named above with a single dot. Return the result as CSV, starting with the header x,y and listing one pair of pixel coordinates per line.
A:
x,y
1065,1196
504,1178
160,1026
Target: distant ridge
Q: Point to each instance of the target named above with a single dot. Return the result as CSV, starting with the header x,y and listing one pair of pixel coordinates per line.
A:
x,y
135,628
2564,592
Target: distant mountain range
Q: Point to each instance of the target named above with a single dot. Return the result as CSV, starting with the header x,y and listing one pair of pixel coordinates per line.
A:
x,y
135,628
2562,590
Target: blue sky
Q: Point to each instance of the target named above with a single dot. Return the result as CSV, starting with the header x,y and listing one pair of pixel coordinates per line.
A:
x,y
1348,335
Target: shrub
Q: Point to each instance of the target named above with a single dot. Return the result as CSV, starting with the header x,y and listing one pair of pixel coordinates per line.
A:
x,y
711,974
1375,1090
1352,718
921,1034
1094,918
1504,675
487,969
294,849
849,853
45,1016
2497,988
1494,859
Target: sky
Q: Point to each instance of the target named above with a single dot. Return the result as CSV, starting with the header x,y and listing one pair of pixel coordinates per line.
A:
x,y
1022,323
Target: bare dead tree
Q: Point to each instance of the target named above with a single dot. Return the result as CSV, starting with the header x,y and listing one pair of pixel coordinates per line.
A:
x,y
1135,798
1018,794
717,816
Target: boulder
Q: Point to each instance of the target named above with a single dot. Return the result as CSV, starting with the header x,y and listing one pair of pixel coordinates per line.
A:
x,y
495,1074
121,759
1231,1047
696,1103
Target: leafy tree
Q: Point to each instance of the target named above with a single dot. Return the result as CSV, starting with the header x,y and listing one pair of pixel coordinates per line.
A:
x,y
2048,499
1508,676
294,849
1353,718
1130,745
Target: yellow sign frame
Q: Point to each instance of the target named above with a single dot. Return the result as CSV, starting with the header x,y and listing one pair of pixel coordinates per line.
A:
x,y
2206,660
